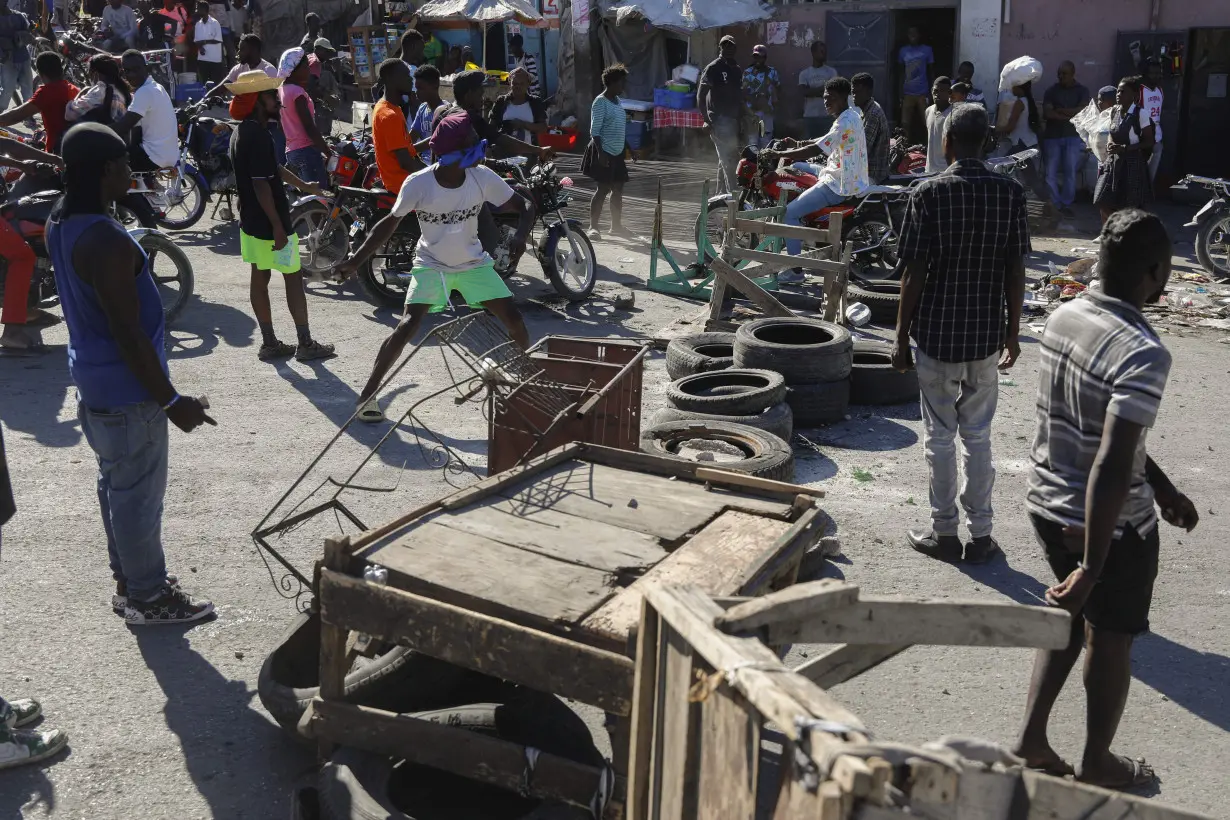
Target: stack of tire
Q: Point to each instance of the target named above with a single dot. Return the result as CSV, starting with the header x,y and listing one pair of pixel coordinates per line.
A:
x,y
813,357
874,380
359,785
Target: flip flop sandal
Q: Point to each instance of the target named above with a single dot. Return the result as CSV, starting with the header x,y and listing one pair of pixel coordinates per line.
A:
x,y
276,350
1142,775
370,412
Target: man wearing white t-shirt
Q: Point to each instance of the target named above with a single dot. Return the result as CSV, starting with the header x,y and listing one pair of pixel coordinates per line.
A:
x,y
207,38
151,111
1151,100
446,197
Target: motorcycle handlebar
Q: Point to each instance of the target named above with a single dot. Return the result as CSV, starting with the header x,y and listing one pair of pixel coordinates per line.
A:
x,y
1209,182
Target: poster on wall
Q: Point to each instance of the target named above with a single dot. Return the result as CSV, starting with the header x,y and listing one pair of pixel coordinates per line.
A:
x,y
580,15
550,9
776,33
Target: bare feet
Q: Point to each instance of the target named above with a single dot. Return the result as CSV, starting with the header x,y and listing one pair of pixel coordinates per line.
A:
x,y
1117,772
1044,759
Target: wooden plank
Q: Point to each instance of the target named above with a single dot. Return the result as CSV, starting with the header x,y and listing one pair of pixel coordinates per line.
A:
x,y
881,779
673,750
474,755
484,575
835,288
644,698
715,560
846,661
778,229
853,775
493,484
833,802
729,764
781,261
794,801
554,534
791,604
745,480
334,663
479,642
781,558
1054,797
761,297
983,794
890,620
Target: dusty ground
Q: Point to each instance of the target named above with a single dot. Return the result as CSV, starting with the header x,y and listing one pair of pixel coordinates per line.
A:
x,y
165,722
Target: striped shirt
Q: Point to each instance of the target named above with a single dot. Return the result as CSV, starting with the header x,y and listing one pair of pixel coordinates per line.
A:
x,y
609,122
530,63
1100,357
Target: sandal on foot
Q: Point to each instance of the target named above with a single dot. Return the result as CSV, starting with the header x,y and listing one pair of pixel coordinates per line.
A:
x,y
313,350
370,412
275,350
1142,775
1055,768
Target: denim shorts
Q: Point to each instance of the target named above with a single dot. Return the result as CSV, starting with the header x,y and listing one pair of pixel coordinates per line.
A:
x,y
308,165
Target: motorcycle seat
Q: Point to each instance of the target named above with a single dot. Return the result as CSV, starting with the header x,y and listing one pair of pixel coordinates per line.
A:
x,y
34,208
366,191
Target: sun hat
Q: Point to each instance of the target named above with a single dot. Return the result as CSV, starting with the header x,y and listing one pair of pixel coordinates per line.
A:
x,y
289,61
253,82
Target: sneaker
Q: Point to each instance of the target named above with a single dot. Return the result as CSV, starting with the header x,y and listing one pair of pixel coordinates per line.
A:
x,y
593,233
275,350
25,711
20,748
119,601
941,547
981,549
313,350
793,276
173,606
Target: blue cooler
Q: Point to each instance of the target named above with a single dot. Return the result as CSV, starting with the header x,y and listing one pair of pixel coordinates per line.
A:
x,y
189,92
635,133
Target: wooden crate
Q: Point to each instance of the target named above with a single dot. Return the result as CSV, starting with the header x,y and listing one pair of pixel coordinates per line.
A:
x,y
706,692
536,575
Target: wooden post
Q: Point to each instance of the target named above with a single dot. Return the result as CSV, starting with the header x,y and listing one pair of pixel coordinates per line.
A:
x,y
719,288
333,665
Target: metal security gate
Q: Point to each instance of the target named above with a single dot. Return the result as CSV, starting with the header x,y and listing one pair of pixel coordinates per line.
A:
x,y
861,41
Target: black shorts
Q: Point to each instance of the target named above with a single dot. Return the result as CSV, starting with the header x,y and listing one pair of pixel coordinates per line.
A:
x,y
613,171
1123,593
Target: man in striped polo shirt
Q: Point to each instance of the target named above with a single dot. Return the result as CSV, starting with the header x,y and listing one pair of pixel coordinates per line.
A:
x,y
1093,487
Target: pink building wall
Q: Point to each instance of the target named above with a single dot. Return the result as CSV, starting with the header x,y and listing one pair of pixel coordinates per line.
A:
x,y
1084,31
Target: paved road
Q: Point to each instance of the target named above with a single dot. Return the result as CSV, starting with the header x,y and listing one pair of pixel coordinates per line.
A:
x,y
165,723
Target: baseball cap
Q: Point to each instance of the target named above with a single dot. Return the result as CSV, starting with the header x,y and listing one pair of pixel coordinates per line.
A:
x,y
727,39
760,49
323,42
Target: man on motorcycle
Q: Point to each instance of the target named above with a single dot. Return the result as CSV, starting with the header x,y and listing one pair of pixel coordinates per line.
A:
x,y
844,173
395,155
48,101
17,316
249,60
447,198
152,110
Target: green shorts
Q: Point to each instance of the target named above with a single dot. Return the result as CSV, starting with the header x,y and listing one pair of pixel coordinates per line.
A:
x,y
260,252
476,285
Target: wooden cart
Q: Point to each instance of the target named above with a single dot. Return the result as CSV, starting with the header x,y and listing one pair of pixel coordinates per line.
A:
x,y
537,575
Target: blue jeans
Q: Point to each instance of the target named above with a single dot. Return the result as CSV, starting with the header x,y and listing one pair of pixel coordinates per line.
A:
x,y
130,443
725,136
14,77
1062,156
810,201
308,165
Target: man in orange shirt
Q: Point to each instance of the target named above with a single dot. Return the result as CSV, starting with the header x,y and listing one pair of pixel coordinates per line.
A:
x,y
395,155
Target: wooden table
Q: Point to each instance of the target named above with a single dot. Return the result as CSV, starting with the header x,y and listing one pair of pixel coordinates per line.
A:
x,y
537,575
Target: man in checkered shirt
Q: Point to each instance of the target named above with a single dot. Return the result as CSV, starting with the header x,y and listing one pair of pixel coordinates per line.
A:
x,y
1092,491
963,243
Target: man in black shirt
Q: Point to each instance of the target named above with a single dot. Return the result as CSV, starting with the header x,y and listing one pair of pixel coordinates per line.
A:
x,y
156,30
720,99
265,236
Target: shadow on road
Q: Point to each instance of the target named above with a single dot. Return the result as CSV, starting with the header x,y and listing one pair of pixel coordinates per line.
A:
x,y
1189,677
865,432
197,331
34,390
28,786
230,751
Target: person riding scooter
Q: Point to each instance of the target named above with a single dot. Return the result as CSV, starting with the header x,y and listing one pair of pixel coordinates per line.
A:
x,y
17,315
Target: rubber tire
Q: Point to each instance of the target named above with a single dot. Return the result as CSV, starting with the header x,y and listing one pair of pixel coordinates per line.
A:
x,y
881,296
357,785
160,243
399,679
778,419
194,216
817,404
1202,245
874,380
546,258
804,351
693,354
738,392
769,456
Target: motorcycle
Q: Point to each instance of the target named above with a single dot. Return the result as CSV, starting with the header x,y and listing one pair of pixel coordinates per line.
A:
x,y
29,216
1212,223
905,159
330,227
205,155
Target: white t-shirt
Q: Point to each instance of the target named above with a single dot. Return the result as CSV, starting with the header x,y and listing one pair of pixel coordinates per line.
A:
x,y
209,29
524,113
815,77
159,133
1151,101
239,68
448,217
1022,133
936,161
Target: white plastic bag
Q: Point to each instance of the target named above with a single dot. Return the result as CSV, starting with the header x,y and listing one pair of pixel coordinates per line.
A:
x,y
1020,71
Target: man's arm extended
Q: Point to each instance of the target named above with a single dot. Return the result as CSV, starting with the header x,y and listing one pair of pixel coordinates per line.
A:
x,y
125,124
408,161
264,196
1177,509
21,151
22,112
1014,292
288,176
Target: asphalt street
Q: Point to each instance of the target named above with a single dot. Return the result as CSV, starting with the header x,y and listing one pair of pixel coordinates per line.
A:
x,y
164,722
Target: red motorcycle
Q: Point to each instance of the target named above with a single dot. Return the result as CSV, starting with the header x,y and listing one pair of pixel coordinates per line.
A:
x,y
870,221
906,159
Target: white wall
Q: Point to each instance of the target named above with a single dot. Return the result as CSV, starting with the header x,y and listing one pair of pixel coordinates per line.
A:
x,y
978,35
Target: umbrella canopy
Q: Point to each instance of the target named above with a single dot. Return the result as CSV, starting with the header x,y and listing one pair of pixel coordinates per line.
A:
x,y
687,15
483,12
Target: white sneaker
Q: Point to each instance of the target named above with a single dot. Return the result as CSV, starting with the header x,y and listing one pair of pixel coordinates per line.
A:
x,y
20,748
791,277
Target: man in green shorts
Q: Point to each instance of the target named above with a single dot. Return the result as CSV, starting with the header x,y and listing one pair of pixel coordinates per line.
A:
x,y
446,197
266,240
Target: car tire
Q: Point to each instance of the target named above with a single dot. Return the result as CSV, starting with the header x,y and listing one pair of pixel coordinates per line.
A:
x,y
699,353
777,419
763,454
881,296
875,381
817,404
733,392
804,351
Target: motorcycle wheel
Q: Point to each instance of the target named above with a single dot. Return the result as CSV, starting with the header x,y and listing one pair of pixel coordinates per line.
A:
x,y
866,232
174,286
1213,245
185,209
323,242
399,250
709,235
572,266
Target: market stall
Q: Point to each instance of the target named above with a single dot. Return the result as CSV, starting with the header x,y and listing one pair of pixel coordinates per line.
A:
x,y
484,14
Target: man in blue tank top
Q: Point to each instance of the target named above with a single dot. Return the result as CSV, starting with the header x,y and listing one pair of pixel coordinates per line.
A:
x,y
117,360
